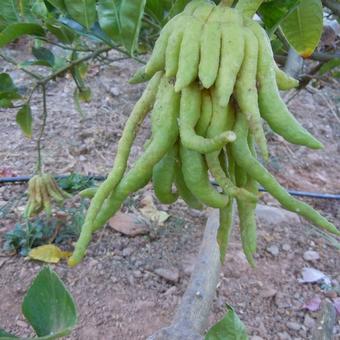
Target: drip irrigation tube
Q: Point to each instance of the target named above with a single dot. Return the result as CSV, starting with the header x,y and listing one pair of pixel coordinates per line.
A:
x,y
23,179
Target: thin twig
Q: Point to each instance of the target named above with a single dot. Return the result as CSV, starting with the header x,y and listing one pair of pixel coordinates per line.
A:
x,y
317,56
42,130
13,62
74,63
72,48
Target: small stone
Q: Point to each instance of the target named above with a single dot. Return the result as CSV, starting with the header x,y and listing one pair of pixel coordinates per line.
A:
x,y
137,274
331,294
21,324
311,255
131,280
82,158
275,216
284,336
128,224
294,326
171,275
256,337
115,91
171,291
273,249
286,247
92,263
269,292
127,252
282,301
309,322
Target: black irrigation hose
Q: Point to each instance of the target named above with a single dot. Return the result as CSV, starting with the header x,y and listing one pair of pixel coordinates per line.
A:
x,y
22,179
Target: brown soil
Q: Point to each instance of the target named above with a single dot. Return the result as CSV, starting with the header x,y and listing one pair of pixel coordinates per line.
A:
x,y
118,293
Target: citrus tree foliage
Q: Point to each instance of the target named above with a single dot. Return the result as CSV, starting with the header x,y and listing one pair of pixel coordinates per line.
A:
x,y
87,29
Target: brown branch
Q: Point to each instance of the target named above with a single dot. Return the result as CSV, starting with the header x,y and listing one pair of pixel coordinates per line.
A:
x,y
316,56
333,5
73,64
191,317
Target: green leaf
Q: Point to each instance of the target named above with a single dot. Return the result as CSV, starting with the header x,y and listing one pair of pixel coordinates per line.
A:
x,y
13,11
6,335
158,9
229,328
7,88
131,14
33,63
6,83
248,7
108,16
178,7
5,103
24,120
82,11
63,33
24,7
58,4
9,11
329,66
44,54
303,27
77,100
39,9
14,31
49,307
272,13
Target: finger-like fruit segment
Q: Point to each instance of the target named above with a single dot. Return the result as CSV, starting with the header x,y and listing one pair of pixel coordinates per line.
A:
x,y
283,80
210,54
272,107
189,55
246,91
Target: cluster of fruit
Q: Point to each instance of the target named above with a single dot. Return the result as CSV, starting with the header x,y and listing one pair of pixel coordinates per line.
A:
x,y
213,79
42,189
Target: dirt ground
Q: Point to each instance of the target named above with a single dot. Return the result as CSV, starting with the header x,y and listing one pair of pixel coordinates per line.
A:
x,y
118,288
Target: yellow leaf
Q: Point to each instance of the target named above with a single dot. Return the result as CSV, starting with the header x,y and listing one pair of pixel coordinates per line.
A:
x,y
48,253
151,212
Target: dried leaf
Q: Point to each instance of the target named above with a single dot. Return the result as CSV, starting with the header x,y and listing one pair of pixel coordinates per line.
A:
x,y
313,304
48,253
151,212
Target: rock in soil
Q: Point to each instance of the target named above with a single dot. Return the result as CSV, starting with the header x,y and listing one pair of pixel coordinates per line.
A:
x,y
275,216
294,326
273,249
169,274
311,255
128,224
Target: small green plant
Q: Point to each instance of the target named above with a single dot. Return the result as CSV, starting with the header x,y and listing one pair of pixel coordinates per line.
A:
x,y
71,229
48,307
26,236
42,230
75,182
